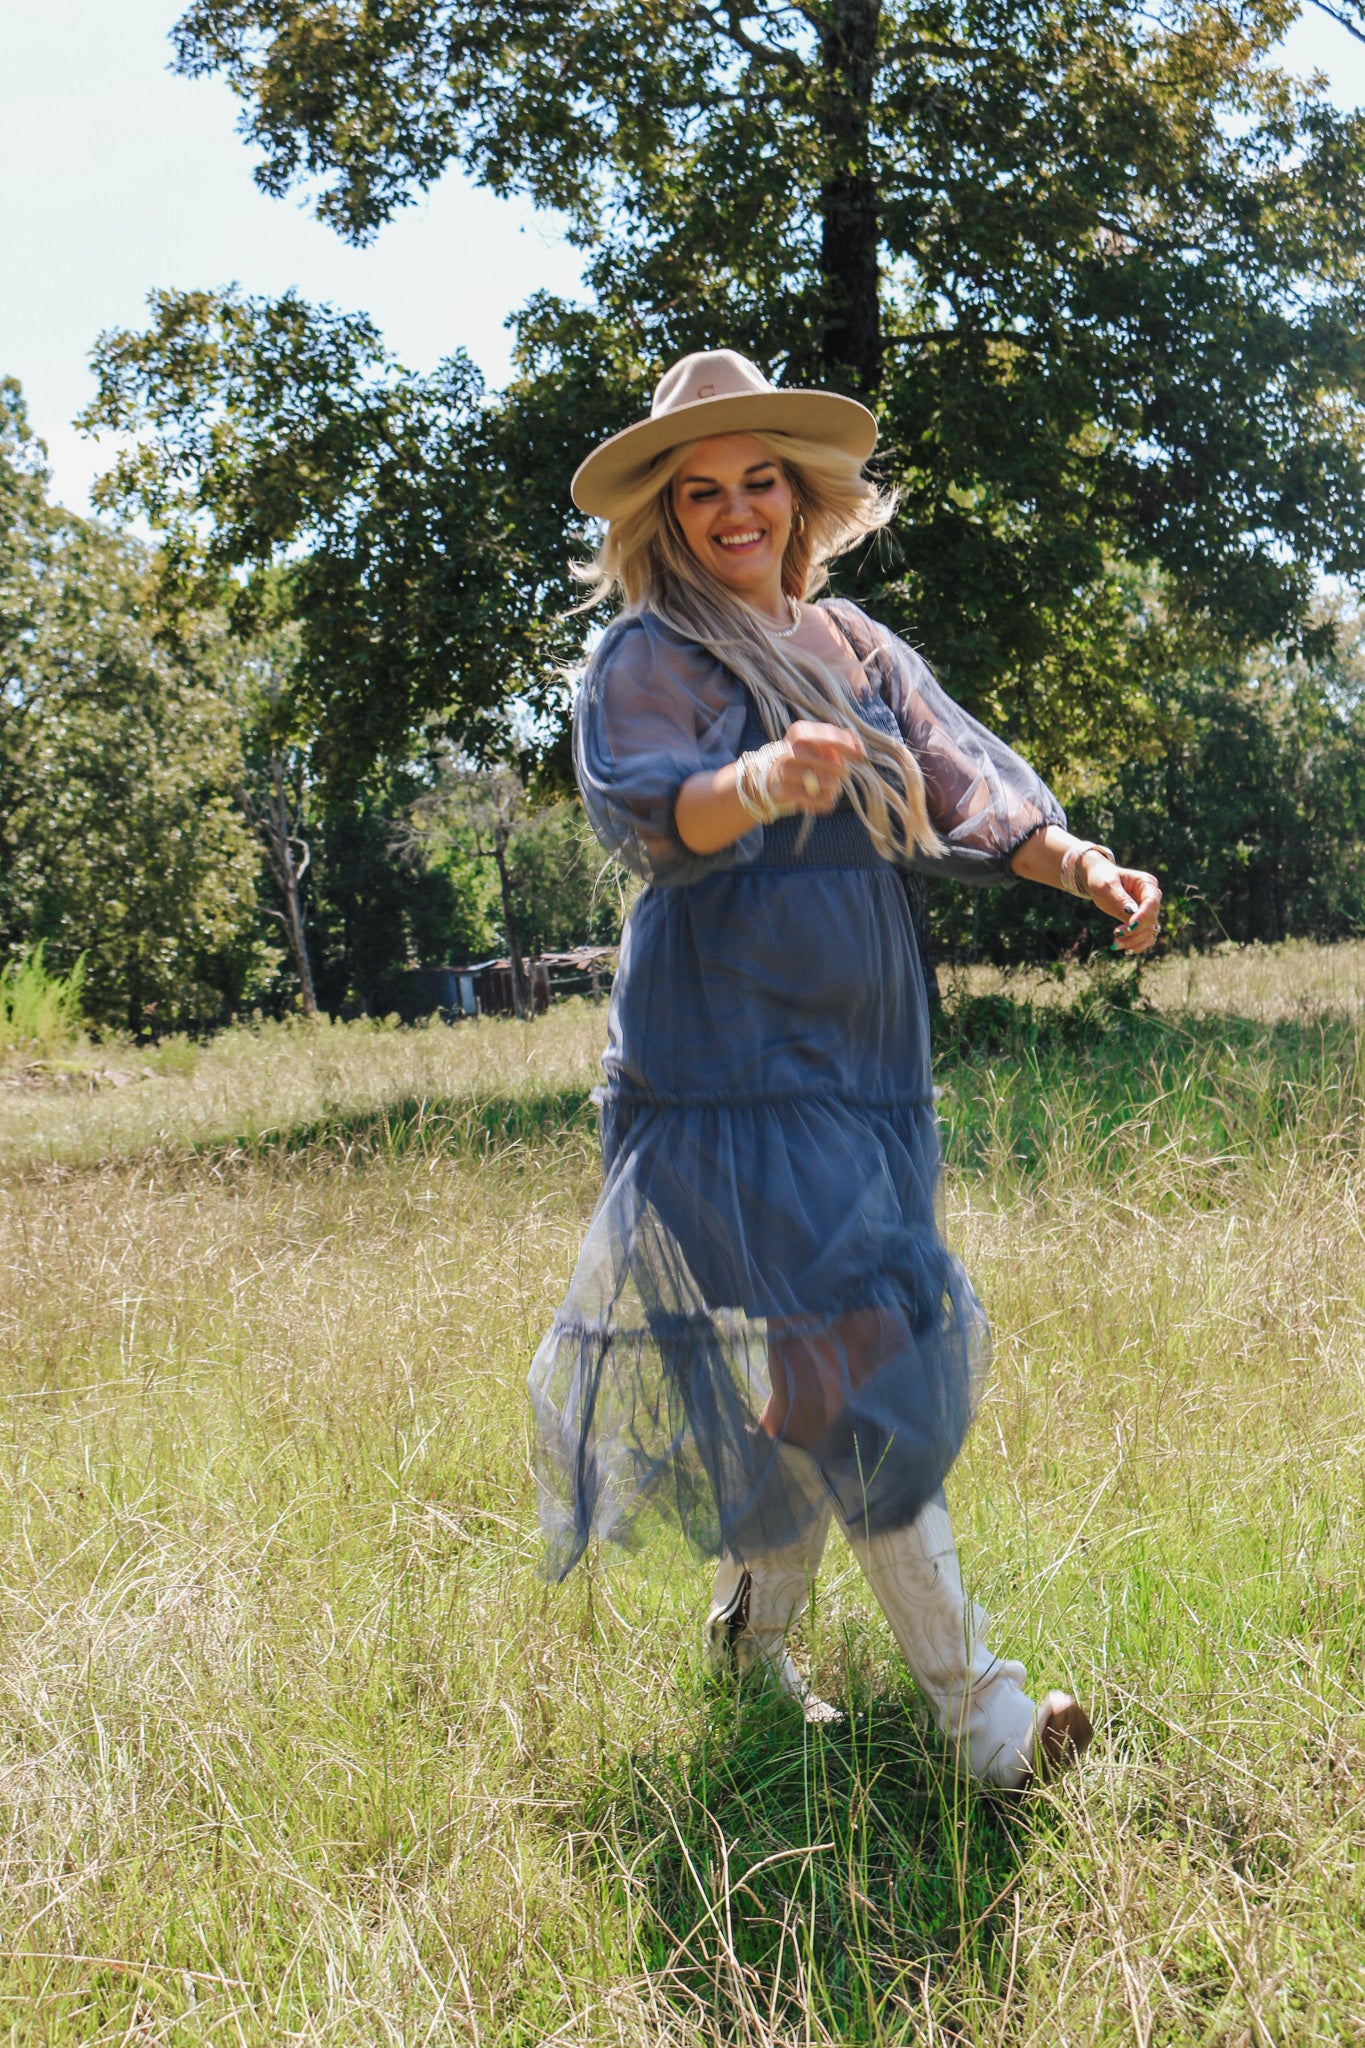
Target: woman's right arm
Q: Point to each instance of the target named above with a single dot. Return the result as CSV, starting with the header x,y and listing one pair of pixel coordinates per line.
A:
x,y
809,767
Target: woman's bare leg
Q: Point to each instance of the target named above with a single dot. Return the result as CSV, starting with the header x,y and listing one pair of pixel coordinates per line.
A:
x,y
813,1372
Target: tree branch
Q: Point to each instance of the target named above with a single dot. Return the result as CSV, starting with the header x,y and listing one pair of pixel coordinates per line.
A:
x,y
1343,20
726,19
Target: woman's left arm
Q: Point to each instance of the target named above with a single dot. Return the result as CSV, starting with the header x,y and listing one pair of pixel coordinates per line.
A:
x,y
1130,895
994,816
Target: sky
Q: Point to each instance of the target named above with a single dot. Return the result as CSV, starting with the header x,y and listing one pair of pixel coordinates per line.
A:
x,y
117,177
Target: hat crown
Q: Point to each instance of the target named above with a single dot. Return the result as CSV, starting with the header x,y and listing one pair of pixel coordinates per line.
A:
x,y
712,373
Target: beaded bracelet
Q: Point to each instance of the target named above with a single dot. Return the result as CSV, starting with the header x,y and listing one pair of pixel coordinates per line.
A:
x,y
1072,877
756,799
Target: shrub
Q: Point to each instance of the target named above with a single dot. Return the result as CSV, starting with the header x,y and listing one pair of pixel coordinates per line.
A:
x,y
40,1012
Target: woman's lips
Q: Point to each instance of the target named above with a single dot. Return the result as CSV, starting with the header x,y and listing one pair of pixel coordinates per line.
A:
x,y
741,543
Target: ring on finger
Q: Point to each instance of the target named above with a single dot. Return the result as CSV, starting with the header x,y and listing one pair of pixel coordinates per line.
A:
x,y
810,782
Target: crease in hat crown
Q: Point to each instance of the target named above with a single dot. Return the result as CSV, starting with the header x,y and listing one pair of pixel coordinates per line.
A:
x,y
716,391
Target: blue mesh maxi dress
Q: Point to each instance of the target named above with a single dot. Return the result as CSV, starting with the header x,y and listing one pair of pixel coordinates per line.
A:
x,y
767,1235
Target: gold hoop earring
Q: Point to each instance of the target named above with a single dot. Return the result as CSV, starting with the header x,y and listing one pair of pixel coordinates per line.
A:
x,y
798,523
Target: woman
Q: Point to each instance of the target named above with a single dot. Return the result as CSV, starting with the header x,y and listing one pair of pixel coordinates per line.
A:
x,y
765,1332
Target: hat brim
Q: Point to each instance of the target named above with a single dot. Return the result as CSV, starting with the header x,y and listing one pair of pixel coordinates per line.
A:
x,y
609,472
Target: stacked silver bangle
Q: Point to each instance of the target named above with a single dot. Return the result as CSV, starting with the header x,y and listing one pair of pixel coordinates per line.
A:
x,y
756,799
1072,877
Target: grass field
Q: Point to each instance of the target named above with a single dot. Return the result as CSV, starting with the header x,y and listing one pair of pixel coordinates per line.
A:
x,y
296,1747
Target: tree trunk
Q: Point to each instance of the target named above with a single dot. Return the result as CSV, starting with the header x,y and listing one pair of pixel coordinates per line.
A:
x,y
298,938
850,265
280,842
851,336
290,873
850,269
521,987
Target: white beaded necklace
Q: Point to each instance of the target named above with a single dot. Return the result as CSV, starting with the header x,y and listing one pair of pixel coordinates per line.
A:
x,y
785,632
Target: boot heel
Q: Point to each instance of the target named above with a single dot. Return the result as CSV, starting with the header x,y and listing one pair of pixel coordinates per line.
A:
x,y
1064,1734
726,1624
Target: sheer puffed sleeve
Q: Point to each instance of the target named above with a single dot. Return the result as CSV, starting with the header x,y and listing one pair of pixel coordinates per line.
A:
x,y
983,799
652,710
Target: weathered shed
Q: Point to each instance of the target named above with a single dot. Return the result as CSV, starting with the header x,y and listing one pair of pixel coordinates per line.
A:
x,y
493,987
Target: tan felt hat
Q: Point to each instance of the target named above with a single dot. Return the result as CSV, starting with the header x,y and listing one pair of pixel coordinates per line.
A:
x,y
716,392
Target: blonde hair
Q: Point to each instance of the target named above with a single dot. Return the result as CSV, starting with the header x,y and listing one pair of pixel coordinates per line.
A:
x,y
645,558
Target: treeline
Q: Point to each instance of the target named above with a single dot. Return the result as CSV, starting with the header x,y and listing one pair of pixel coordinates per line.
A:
x,y
142,755
1242,784
1101,271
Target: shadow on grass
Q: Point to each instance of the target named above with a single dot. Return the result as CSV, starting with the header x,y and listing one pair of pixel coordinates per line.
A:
x,y
1011,1075
415,1124
1105,1067
1111,1079
1106,1076
839,1879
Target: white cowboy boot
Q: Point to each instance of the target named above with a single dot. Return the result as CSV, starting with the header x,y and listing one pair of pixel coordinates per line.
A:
x,y
753,1605
976,1700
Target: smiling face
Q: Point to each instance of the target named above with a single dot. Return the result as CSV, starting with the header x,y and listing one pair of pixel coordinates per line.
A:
x,y
733,503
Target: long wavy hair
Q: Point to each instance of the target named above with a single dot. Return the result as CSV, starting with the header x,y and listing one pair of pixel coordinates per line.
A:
x,y
645,559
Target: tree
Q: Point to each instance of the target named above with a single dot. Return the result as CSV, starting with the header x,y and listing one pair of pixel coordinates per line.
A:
x,y
275,809
119,750
303,478
554,886
1349,16
568,892
273,789
1253,800
1246,793
365,520
486,805
1100,266
374,906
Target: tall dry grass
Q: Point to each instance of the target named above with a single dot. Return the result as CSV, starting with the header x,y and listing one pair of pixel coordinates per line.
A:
x,y
297,1748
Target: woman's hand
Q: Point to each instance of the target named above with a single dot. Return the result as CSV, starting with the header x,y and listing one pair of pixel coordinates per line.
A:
x,y
1130,895
812,765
